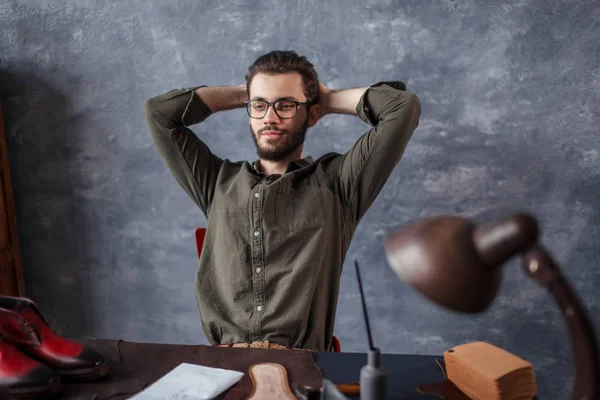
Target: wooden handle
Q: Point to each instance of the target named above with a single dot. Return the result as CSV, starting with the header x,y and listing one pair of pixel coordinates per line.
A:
x,y
349,388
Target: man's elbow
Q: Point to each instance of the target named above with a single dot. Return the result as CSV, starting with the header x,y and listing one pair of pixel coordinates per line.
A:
x,y
156,114
413,105
150,108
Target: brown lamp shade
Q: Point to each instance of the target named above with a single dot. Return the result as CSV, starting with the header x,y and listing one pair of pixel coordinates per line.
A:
x,y
453,262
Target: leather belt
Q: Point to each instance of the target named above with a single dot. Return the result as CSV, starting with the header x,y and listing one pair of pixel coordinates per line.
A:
x,y
265,344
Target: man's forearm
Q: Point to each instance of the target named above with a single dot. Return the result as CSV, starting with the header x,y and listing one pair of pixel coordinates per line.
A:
x,y
342,101
220,98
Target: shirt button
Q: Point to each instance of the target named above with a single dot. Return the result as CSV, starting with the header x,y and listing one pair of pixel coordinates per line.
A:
x,y
256,195
258,270
259,308
256,233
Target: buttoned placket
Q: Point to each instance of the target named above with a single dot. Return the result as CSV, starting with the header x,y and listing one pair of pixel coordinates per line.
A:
x,y
258,259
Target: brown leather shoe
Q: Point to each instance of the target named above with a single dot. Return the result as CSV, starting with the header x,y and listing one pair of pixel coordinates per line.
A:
x,y
23,325
22,377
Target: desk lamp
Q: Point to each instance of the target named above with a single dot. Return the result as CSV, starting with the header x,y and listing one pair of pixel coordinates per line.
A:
x,y
457,264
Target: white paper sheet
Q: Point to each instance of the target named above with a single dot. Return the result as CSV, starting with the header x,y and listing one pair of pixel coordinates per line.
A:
x,y
190,381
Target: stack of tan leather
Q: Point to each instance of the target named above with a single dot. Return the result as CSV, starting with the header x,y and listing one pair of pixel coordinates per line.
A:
x,y
483,371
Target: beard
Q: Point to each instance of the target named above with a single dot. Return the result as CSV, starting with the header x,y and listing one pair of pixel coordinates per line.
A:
x,y
280,151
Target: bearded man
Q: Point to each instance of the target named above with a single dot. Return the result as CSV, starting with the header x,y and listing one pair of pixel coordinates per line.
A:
x,y
279,228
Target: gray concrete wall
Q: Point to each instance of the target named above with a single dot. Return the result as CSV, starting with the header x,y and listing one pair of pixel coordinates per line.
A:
x,y
511,109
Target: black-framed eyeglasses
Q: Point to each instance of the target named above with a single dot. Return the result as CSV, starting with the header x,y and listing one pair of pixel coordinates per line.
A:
x,y
285,109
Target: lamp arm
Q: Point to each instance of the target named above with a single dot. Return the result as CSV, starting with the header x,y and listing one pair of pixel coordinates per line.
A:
x,y
540,266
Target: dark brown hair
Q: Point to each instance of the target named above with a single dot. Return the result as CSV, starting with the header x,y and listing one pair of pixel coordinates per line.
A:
x,y
280,62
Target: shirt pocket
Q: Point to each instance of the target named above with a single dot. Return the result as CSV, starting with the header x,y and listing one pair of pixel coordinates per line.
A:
x,y
299,205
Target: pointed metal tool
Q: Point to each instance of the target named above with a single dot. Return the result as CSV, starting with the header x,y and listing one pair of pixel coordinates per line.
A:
x,y
373,377
364,306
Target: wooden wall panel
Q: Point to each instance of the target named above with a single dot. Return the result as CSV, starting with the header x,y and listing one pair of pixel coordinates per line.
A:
x,y
11,273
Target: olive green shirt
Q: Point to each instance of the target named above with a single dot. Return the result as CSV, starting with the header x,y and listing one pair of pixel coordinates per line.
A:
x,y
275,245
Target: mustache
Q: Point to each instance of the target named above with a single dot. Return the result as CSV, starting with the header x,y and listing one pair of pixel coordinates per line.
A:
x,y
272,128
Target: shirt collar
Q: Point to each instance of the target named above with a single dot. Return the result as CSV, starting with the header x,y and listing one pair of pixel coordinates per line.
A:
x,y
292,166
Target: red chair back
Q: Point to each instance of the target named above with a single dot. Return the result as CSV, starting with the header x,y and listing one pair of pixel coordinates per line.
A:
x,y
200,234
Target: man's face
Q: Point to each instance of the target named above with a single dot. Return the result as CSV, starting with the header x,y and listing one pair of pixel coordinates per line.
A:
x,y
276,138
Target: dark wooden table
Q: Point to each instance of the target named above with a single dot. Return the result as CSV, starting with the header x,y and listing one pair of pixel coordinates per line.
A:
x,y
135,366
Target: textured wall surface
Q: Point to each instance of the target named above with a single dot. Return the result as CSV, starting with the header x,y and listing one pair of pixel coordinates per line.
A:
x,y
511,110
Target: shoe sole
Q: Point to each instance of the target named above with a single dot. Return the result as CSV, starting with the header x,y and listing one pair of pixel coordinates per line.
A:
x,y
84,374
38,392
